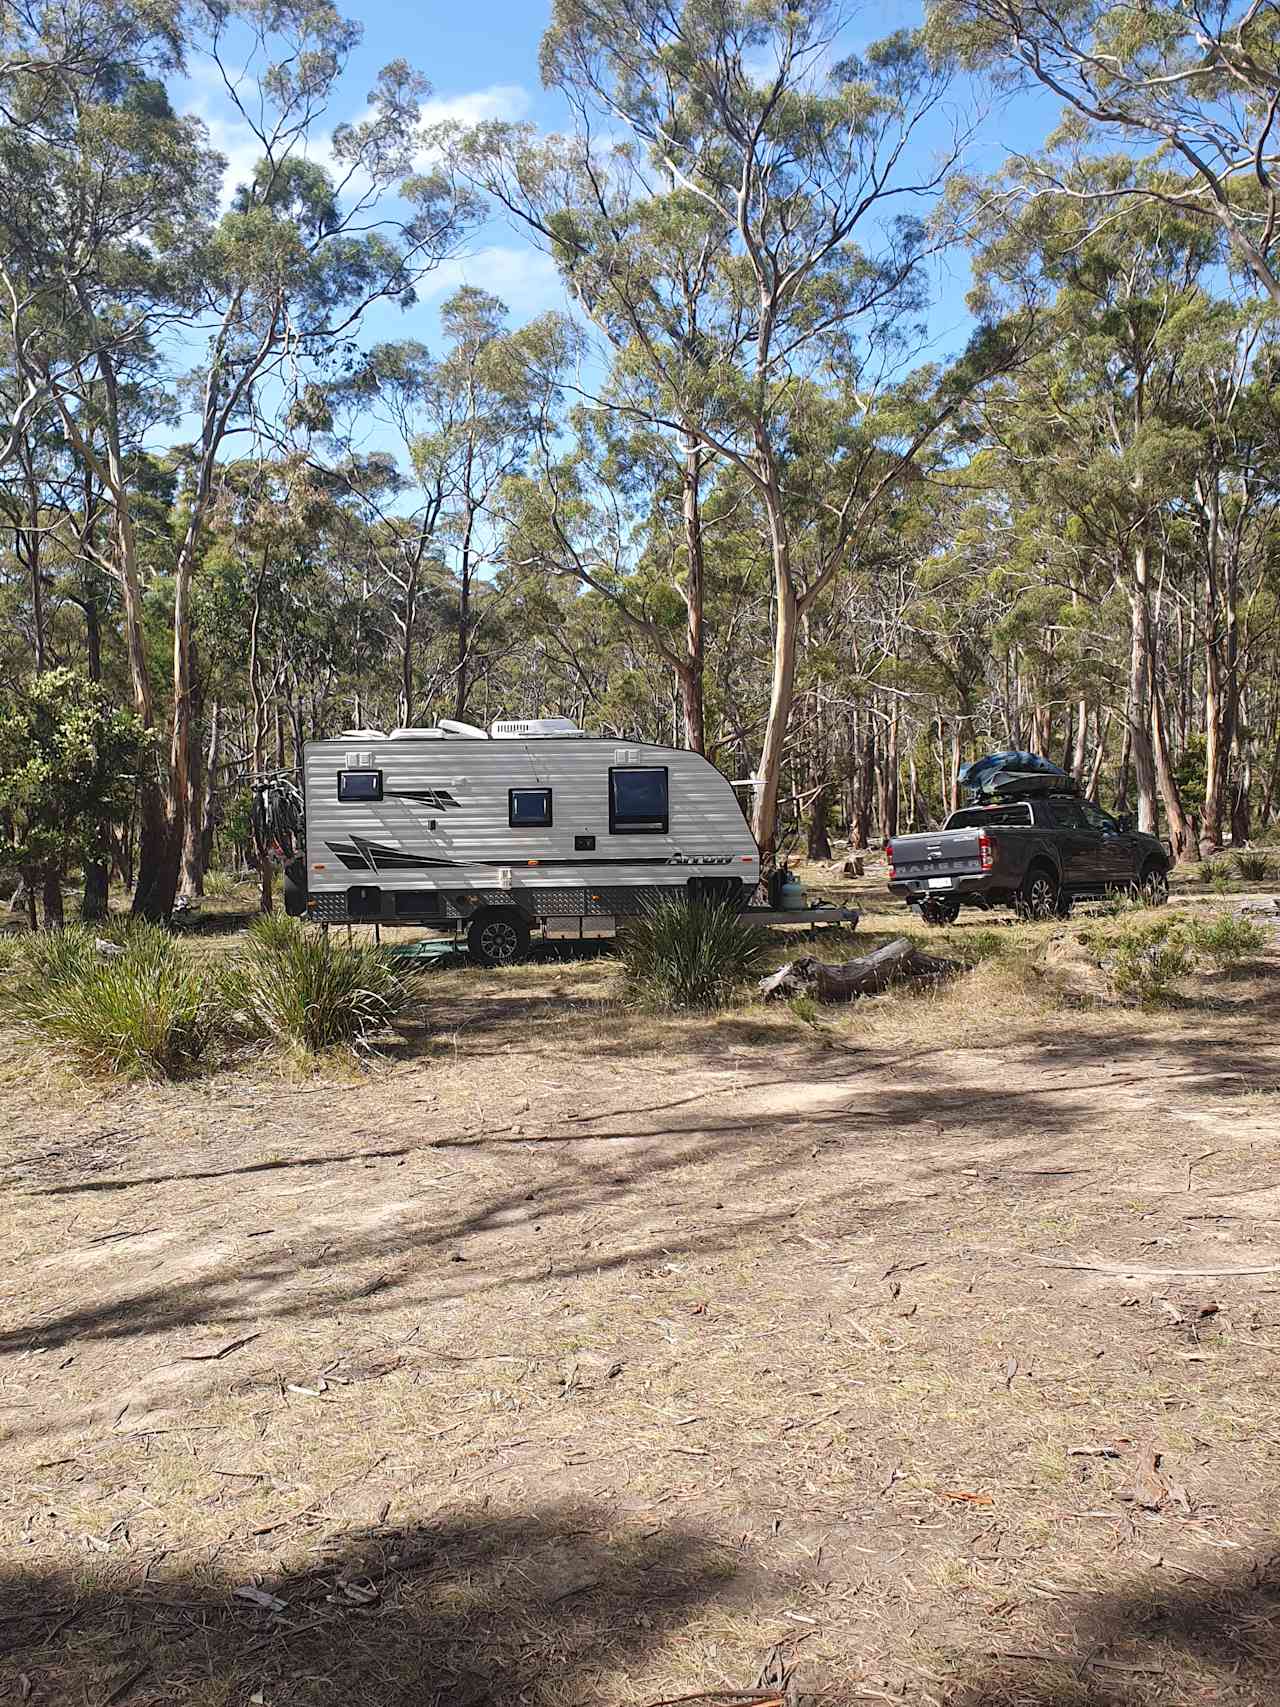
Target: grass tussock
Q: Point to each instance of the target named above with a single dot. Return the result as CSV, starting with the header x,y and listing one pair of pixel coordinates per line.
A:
x,y
137,1007
218,885
50,960
1253,865
689,955
301,989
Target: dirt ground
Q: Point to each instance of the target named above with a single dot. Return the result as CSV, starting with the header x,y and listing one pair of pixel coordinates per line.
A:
x,y
925,1353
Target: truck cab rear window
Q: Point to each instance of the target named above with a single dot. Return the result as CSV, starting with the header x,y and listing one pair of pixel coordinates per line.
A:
x,y
528,808
359,785
983,817
638,802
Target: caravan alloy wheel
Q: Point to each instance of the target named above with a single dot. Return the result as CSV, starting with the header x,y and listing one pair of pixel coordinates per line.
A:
x,y
498,937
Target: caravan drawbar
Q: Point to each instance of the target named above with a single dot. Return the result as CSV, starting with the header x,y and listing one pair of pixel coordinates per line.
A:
x,y
530,825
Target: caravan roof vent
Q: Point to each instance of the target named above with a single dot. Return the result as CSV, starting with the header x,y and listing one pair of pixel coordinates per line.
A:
x,y
467,731
535,728
416,735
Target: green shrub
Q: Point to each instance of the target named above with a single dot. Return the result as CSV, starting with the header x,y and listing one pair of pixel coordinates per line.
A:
x,y
1145,961
1226,938
690,955
1252,865
806,1009
1220,879
296,986
142,1011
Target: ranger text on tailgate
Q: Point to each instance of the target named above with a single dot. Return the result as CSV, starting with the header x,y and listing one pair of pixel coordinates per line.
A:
x,y
1035,855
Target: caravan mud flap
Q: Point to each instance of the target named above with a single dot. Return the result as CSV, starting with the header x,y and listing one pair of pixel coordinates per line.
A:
x,y
295,889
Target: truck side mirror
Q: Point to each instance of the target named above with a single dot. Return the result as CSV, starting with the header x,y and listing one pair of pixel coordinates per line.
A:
x,y
1126,822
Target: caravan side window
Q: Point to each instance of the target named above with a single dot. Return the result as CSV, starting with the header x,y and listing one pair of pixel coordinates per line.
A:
x,y
528,808
638,803
359,785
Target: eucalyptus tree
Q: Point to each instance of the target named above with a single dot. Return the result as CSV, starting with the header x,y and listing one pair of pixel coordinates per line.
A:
x,y
598,505
774,180
1197,85
82,67
464,423
270,290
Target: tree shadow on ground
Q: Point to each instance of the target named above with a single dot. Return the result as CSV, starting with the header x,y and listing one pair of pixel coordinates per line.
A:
x,y
496,1610
574,1605
611,1160
1200,1640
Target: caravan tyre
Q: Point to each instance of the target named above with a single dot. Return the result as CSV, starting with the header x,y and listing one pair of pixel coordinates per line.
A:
x,y
498,936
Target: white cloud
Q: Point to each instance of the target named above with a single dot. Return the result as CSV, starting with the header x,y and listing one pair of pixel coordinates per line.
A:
x,y
236,140
506,101
523,278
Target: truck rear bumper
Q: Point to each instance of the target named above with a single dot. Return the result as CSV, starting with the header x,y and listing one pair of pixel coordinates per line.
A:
x,y
975,886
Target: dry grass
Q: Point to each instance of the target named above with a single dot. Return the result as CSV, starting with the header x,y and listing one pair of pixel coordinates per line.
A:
x,y
570,1356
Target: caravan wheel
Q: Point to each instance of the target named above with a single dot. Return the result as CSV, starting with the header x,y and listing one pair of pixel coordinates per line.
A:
x,y
497,937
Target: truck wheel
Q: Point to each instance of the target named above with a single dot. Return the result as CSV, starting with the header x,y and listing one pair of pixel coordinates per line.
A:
x,y
498,936
939,911
1153,885
1038,897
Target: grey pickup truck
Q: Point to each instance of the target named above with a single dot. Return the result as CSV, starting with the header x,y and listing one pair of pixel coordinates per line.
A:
x,y
1036,856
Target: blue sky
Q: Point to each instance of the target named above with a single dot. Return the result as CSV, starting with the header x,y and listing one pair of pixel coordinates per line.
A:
x,y
482,61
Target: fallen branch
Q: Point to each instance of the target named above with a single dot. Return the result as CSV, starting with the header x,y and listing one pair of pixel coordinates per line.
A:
x,y
897,960
757,1697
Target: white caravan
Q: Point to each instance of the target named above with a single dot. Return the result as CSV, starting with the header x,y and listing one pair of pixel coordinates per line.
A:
x,y
532,825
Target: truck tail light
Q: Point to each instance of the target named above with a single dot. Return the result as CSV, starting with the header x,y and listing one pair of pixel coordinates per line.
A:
x,y
986,850
888,854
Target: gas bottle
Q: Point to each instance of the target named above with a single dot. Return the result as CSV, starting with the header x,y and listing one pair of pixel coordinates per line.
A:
x,y
791,896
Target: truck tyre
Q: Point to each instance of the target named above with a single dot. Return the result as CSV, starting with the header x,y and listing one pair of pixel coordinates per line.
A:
x,y
1039,897
940,910
1152,885
498,936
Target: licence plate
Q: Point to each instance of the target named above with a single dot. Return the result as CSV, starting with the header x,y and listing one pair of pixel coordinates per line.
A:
x,y
939,883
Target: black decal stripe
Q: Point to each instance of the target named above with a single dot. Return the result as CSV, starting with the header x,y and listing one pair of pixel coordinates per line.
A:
x,y
396,859
351,857
437,797
370,856
544,864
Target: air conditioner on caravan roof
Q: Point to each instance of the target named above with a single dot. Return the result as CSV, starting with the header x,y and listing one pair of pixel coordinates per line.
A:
x,y
541,728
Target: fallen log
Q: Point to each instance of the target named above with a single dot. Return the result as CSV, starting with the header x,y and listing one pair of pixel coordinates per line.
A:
x,y
897,960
